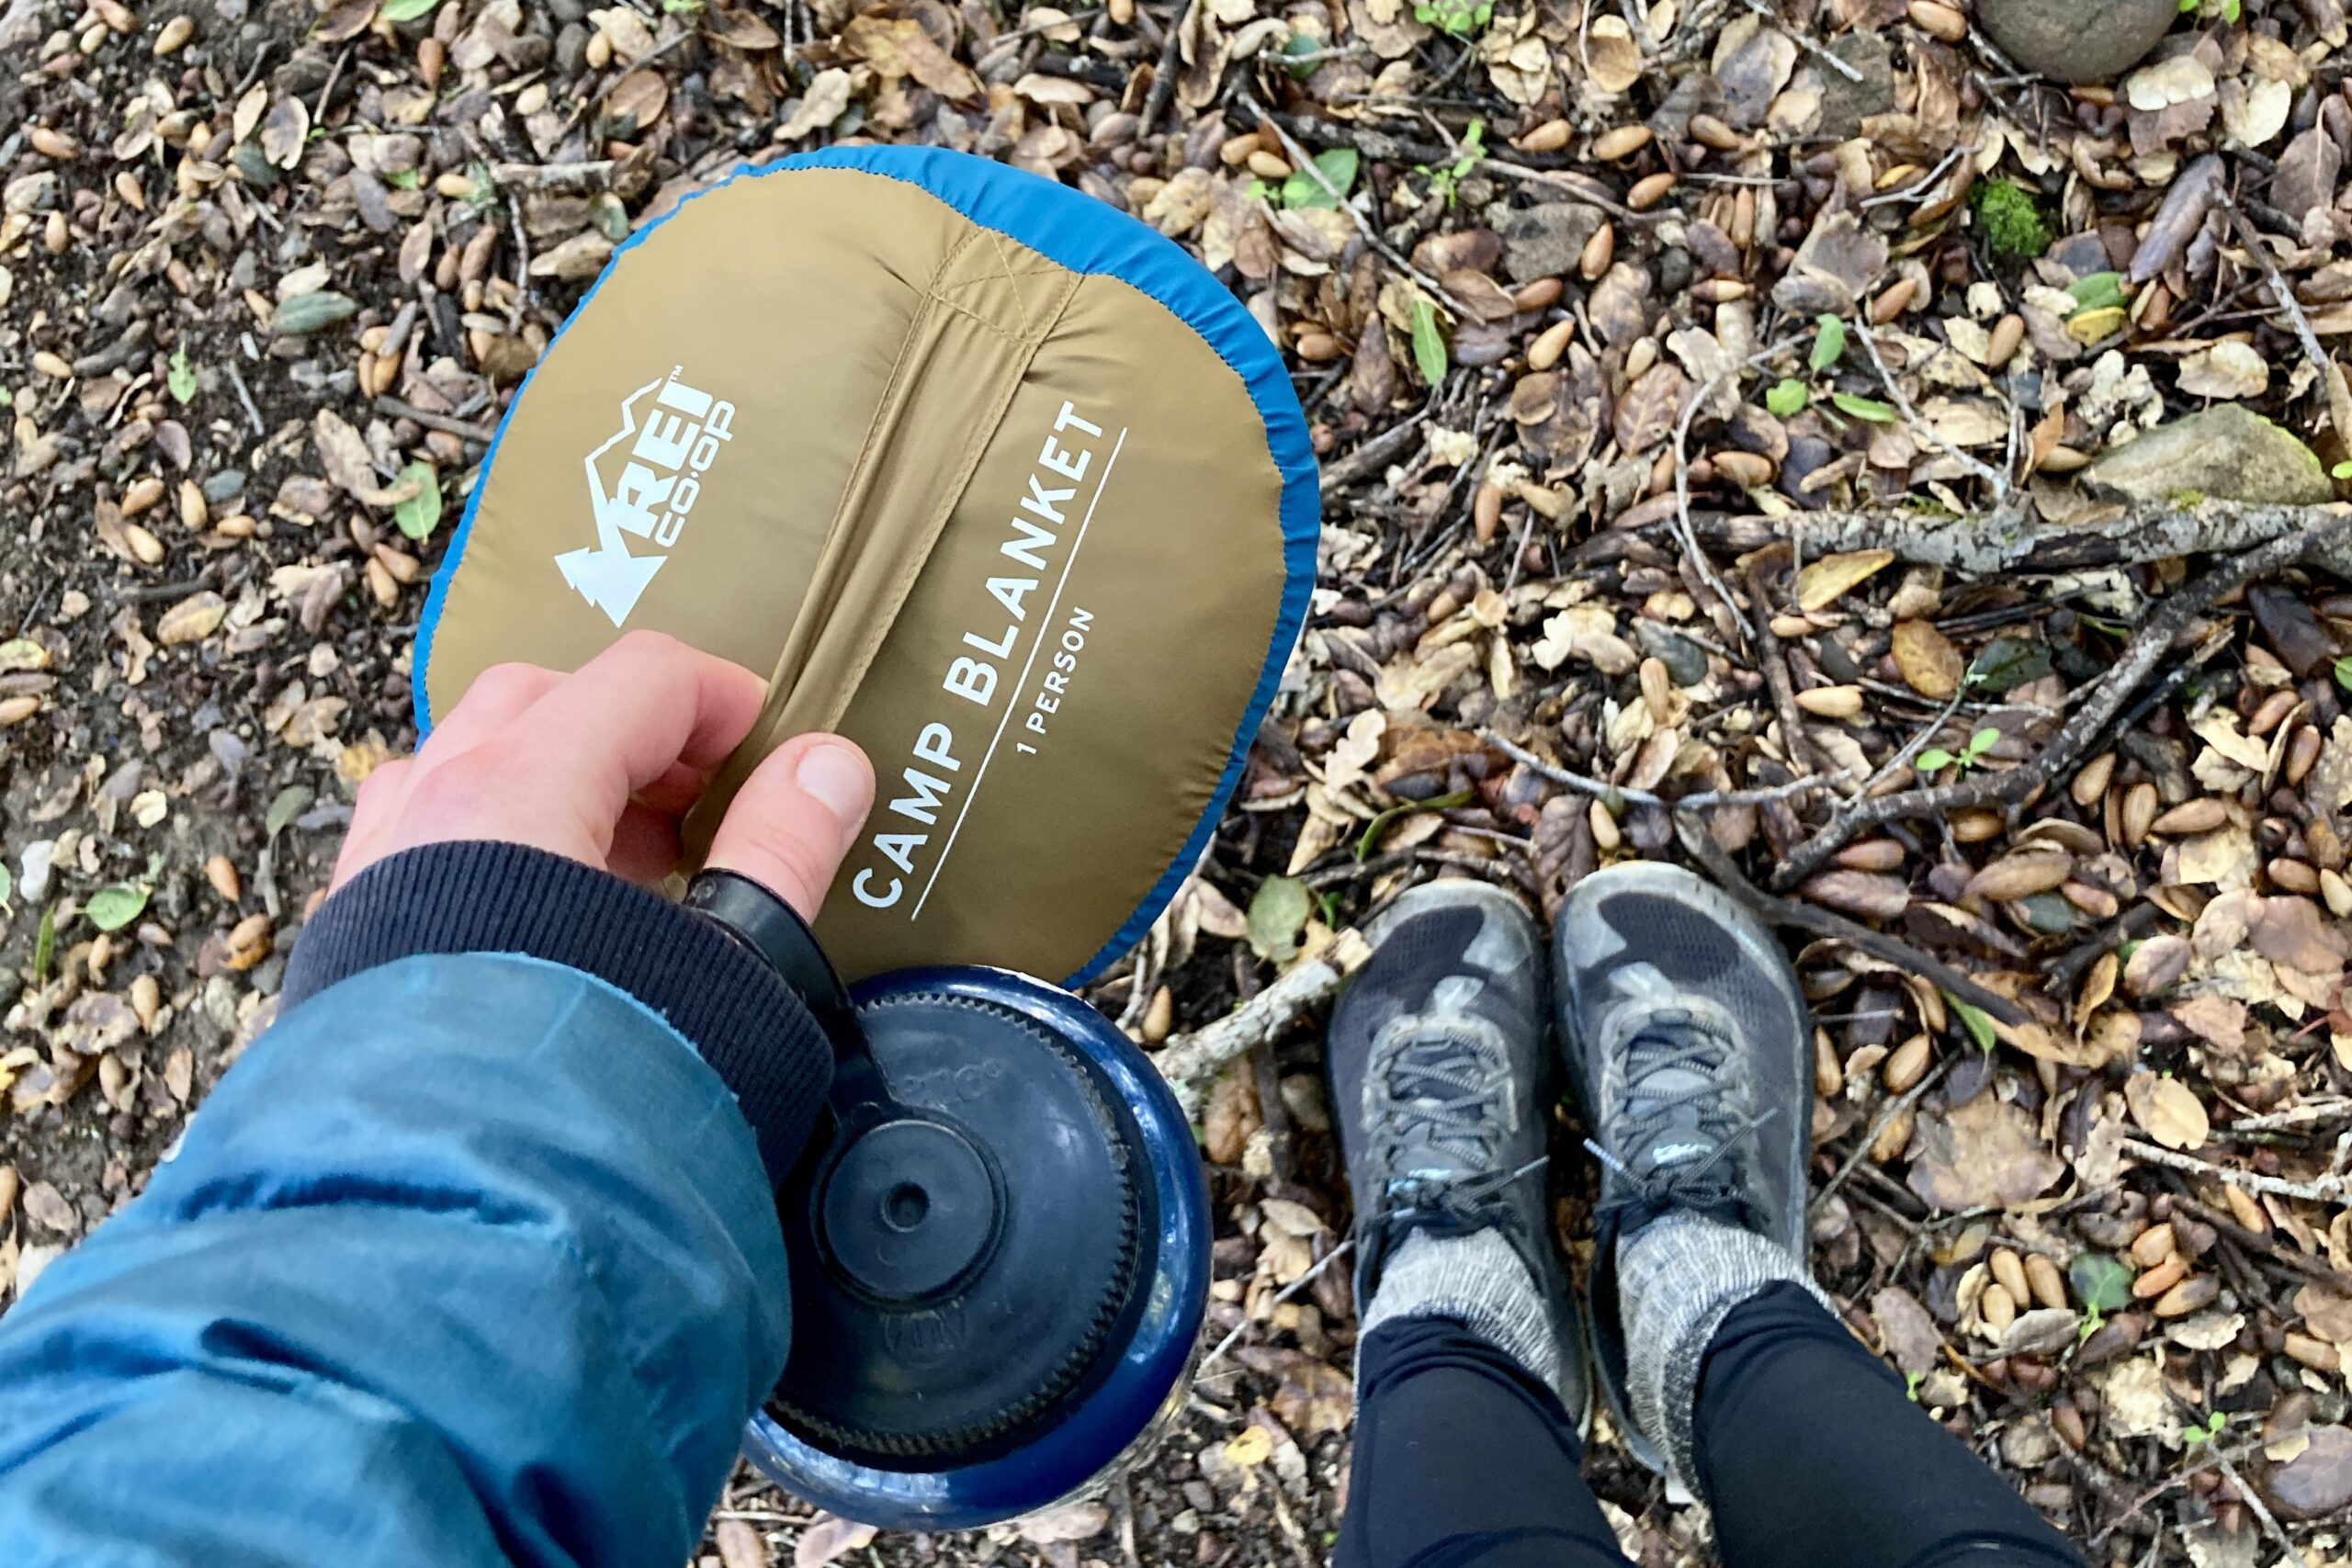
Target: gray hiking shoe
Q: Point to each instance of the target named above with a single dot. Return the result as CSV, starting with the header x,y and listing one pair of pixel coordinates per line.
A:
x,y
1686,1040
1440,1073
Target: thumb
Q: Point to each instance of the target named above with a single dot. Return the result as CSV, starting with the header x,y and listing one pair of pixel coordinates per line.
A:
x,y
794,818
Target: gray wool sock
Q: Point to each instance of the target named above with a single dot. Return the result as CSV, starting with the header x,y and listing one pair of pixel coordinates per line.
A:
x,y
1678,1277
1480,1282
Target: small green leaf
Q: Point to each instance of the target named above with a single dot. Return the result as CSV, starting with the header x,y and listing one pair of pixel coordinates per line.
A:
x,y
1379,824
180,378
2343,673
116,906
1984,740
2008,662
406,10
1935,760
404,179
1975,1020
1828,341
2099,291
1869,409
1787,398
418,515
307,313
1429,344
7,890
1911,1381
45,943
2102,1283
2341,471
291,802
1338,167
1278,912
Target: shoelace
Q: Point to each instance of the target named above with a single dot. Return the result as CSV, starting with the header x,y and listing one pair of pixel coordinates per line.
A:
x,y
1656,1049
1444,1087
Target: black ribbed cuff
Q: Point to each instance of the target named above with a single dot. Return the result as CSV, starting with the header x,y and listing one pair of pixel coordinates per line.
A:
x,y
477,897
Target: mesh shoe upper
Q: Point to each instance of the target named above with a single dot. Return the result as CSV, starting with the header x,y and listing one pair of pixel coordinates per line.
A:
x,y
1685,1034
1440,1069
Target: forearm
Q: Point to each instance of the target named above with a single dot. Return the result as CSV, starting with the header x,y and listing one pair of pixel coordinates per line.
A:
x,y
471,1259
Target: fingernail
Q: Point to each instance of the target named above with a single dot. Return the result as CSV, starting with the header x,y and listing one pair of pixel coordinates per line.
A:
x,y
836,777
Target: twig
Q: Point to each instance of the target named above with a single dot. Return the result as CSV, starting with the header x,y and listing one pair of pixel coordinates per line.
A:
x,y
1163,79
1189,1061
2149,647
569,179
2326,1189
1983,470
2252,1499
1912,748
1924,180
1837,927
245,396
169,591
465,429
1774,665
1222,1346
1702,800
1374,454
1796,36
1879,1124
2331,378
2255,1241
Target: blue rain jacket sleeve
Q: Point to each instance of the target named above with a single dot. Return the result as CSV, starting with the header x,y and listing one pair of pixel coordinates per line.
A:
x,y
471,1259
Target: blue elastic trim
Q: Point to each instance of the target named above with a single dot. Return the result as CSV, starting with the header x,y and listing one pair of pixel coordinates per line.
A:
x,y
1072,230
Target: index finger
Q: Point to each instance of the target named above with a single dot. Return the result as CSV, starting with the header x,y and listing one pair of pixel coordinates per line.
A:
x,y
642,707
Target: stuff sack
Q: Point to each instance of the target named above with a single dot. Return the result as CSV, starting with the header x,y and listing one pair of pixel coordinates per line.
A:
x,y
979,472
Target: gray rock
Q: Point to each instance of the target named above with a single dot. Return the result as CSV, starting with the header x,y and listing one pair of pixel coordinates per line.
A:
x,y
2226,453
2077,40
1845,102
1546,241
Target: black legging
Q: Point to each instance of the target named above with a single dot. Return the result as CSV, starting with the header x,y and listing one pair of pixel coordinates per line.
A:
x,y
1807,1448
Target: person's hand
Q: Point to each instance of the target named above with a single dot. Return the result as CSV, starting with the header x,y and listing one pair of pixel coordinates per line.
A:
x,y
602,765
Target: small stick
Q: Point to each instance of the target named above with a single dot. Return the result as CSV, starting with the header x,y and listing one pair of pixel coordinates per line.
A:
x,y
1702,800
2255,1242
1697,557
1802,42
1163,77
465,429
2261,1511
1986,471
245,396
2327,1190
1284,1294
1879,1124
1189,1061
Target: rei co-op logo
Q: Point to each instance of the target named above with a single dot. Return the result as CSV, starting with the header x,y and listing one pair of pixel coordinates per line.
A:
x,y
646,489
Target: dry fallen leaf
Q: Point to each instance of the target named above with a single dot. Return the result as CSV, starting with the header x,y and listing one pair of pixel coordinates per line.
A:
x,y
829,1539
1928,662
2167,1111
1823,583
1985,1153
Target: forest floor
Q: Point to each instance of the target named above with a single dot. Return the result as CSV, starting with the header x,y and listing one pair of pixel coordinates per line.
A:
x,y
1736,426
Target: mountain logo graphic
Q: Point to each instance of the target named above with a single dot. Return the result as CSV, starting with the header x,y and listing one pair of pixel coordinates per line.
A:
x,y
659,479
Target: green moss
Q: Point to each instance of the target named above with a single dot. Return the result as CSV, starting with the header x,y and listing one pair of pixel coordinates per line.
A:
x,y
2012,222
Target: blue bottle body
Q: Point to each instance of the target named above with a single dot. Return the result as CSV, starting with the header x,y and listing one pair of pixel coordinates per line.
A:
x,y
1146,1367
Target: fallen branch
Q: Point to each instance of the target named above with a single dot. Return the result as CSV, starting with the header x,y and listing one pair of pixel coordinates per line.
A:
x,y
2164,628
2293,1262
2326,1189
1374,454
1190,1061
1992,543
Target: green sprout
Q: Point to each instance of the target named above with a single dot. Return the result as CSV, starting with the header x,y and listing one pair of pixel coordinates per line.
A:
x,y
2195,1433
1459,17
1935,758
1446,180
